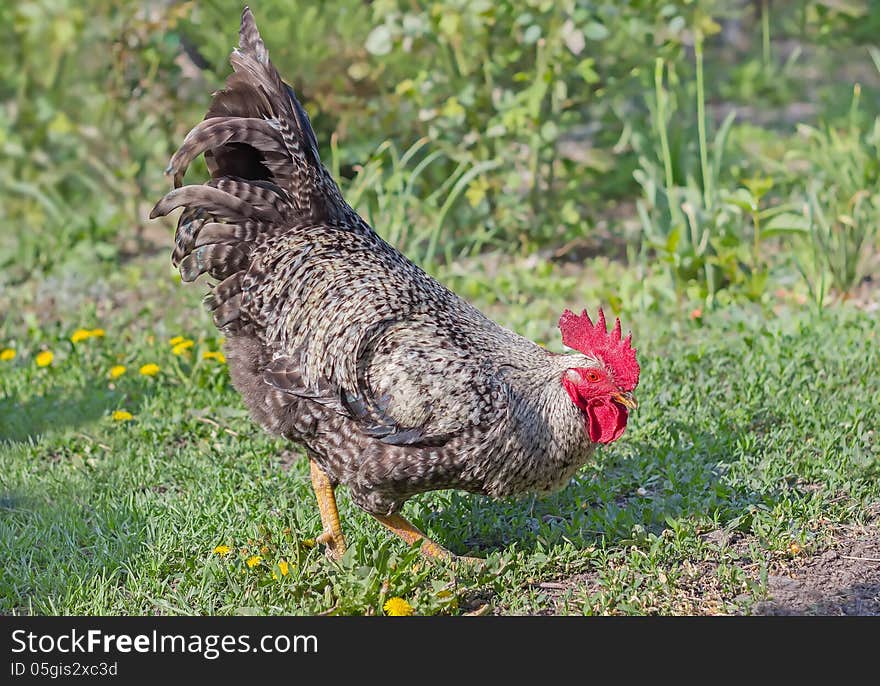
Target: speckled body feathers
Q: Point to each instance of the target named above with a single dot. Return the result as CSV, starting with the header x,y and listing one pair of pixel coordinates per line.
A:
x,y
393,383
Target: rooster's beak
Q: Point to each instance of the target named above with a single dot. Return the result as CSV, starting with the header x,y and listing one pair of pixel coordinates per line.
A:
x,y
626,399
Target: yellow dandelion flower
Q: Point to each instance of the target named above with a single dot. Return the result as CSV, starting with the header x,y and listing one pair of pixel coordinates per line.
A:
x,y
214,355
96,333
794,548
79,336
122,416
182,347
253,561
7,354
397,607
222,549
44,359
150,369
176,340
117,371
283,567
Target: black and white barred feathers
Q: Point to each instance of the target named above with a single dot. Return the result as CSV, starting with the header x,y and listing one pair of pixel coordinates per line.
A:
x,y
390,381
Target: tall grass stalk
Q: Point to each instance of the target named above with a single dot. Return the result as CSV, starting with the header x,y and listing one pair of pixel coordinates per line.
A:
x,y
765,33
660,123
701,121
457,189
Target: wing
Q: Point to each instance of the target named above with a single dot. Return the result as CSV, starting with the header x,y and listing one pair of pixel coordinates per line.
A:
x,y
411,383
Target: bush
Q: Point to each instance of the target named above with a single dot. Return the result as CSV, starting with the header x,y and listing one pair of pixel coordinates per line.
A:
x,y
454,126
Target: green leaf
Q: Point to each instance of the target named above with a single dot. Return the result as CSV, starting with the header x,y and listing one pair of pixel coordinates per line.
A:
x,y
104,250
586,70
549,131
741,198
758,185
532,34
672,240
379,42
786,223
596,31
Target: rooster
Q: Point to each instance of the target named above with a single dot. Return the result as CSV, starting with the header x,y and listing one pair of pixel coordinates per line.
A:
x,y
391,382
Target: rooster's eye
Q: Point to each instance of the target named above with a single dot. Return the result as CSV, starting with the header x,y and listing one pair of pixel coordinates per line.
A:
x,y
592,376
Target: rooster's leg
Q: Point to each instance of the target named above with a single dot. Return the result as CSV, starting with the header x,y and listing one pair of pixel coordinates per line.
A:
x,y
400,526
332,536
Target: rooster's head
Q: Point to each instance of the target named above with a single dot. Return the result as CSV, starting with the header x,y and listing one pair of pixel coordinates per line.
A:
x,y
602,388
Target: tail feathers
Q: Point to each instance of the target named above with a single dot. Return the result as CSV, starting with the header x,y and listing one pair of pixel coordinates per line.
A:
x,y
216,259
223,291
263,195
266,175
265,131
217,134
251,62
216,202
249,39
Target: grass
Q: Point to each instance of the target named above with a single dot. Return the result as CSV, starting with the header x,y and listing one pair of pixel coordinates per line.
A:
x,y
706,200
754,443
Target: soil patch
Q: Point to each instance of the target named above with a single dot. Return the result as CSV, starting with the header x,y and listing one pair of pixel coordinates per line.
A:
x,y
843,580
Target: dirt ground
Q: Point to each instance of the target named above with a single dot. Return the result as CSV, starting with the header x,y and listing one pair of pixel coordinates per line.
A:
x,y
842,580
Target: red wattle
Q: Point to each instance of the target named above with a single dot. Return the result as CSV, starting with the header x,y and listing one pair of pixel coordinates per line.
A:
x,y
606,420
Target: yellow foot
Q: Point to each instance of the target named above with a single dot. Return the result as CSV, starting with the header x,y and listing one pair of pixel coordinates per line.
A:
x,y
335,545
332,536
470,562
399,525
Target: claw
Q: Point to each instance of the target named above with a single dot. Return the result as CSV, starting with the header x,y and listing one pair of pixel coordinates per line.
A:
x,y
332,535
399,525
335,546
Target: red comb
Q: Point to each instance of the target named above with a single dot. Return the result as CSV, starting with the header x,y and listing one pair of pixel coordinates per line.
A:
x,y
579,333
